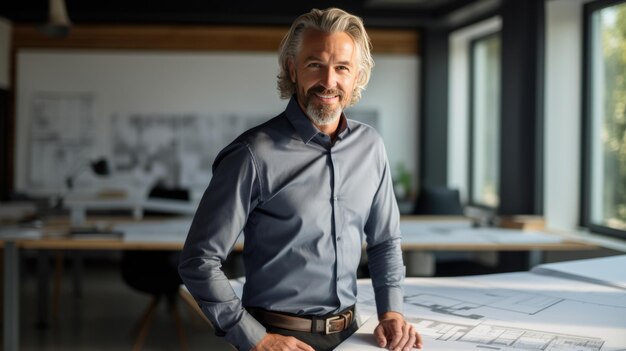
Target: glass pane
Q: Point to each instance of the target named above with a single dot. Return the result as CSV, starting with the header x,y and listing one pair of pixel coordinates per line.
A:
x,y
608,113
486,120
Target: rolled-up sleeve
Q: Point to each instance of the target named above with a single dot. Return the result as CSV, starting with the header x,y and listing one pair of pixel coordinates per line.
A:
x,y
384,253
231,195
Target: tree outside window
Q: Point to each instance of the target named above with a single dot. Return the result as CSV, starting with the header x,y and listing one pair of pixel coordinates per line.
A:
x,y
485,121
607,113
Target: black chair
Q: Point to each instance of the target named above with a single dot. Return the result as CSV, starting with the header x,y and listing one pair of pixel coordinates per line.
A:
x,y
154,273
438,200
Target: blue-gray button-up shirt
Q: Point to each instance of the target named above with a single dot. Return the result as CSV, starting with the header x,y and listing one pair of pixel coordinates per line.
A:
x,y
305,206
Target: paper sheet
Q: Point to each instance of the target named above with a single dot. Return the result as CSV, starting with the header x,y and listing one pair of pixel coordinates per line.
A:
x,y
513,311
609,271
478,236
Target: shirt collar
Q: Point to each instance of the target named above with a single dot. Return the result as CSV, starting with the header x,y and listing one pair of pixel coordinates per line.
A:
x,y
303,125
344,127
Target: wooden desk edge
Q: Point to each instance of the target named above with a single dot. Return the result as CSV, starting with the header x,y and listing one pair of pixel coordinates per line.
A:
x,y
95,244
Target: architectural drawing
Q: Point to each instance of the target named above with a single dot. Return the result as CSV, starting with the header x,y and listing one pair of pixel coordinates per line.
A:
x,y
170,149
178,150
175,150
469,301
494,337
512,311
61,137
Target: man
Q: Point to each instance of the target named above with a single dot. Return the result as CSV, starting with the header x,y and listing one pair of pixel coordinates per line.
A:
x,y
306,188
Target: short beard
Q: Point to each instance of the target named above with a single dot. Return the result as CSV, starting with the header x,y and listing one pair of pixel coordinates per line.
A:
x,y
324,114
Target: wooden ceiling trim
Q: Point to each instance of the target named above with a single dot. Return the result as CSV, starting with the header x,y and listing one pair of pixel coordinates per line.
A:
x,y
193,38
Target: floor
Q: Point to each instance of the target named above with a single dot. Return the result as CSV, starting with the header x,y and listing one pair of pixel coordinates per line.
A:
x,y
105,316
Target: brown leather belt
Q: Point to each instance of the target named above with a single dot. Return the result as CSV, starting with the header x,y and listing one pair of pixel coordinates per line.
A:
x,y
310,324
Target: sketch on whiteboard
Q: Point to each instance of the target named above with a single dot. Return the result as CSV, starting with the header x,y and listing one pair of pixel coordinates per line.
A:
x,y
62,136
144,149
173,150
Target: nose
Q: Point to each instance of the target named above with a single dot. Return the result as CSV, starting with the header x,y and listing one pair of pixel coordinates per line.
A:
x,y
328,78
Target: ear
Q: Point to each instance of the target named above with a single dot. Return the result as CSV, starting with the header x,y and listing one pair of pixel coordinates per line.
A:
x,y
292,71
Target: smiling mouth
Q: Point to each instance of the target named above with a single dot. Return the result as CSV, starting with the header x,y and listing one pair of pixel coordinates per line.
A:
x,y
327,95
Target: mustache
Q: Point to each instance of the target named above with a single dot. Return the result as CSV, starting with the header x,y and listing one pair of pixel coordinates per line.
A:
x,y
323,91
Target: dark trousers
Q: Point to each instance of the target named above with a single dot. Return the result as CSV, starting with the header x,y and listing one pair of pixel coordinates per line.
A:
x,y
319,342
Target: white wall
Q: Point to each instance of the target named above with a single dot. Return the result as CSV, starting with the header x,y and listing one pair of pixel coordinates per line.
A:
x,y
243,83
458,100
5,52
393,91
562,113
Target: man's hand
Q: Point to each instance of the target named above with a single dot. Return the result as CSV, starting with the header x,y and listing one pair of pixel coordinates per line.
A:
x,y
279,342
394,333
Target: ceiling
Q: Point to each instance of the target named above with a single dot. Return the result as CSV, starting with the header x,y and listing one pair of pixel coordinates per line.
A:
x,y
378,13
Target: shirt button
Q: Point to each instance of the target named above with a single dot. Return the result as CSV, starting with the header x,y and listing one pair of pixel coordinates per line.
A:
x,y
338,238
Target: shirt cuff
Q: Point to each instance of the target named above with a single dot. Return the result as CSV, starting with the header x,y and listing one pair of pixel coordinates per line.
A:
x,y
246,334
390,299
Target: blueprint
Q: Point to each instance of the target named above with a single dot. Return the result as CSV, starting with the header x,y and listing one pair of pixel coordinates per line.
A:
x,y
512,311
497,337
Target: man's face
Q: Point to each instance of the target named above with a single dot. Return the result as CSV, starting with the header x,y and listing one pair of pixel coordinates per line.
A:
x,y
325,72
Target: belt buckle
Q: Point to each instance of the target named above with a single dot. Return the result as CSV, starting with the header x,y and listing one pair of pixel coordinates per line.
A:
x,y
329,328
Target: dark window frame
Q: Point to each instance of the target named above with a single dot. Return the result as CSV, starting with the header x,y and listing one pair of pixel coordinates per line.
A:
x,y
587,121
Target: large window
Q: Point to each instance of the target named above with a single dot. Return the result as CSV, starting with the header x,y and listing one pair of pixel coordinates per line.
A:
x,y
485,121
604,202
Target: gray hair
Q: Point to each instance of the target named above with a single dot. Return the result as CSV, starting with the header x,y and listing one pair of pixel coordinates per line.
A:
x,y
331,20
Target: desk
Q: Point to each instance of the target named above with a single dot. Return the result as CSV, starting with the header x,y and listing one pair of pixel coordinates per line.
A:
x,y
79,204
510,311
517,249
431,233
52,239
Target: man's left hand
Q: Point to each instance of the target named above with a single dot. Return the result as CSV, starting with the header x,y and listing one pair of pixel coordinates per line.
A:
x,y
394,333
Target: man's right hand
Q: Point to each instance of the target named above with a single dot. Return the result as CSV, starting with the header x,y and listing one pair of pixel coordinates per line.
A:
x,y
273,342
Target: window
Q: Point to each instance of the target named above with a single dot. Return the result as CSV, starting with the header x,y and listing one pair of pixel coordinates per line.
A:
x,y
604,194
485,121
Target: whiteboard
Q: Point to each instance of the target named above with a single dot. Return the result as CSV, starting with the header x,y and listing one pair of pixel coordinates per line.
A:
x,y
173,96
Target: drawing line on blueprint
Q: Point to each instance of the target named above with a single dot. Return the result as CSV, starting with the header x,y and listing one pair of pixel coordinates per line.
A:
x,y
502,299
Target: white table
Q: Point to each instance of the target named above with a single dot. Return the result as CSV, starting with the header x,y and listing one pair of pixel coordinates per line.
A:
x,y
509,311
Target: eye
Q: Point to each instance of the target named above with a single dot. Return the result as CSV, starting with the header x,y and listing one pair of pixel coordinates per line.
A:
x,y
314,65
343,68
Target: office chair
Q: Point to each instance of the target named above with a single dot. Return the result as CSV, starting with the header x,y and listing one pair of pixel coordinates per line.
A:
x,y
438,200
154,273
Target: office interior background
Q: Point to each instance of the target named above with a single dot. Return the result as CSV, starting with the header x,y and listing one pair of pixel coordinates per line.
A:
x,y
520,105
